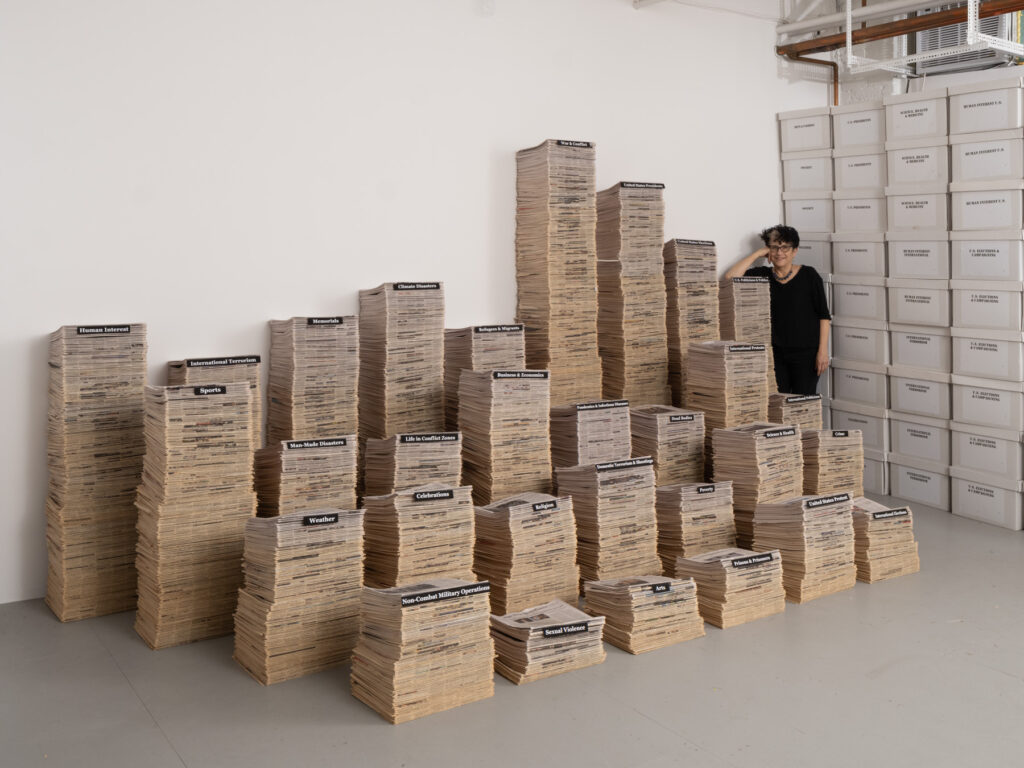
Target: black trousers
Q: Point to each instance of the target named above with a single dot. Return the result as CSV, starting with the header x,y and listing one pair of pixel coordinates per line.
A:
x,y
794,370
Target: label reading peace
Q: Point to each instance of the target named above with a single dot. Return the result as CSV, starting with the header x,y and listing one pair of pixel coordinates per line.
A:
x,y
210,390
309,520
216,362
92,330
566,629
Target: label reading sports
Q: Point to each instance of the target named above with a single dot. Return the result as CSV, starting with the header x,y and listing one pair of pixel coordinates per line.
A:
x,y
210,390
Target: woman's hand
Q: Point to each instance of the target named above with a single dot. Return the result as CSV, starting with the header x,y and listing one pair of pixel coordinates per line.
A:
x,y
821,363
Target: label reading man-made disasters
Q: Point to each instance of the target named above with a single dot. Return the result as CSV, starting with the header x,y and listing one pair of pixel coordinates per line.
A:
x,y
802,398
309,520
496,328
773,433
437,595
705,489
645,461
746,562
566,629
665,586
210,390
746,347
434,437
216,362
327,442
827,501
325,320
571,143
416,286
641,185
91,330
543,506
602,405
520,374
901,512
681,417
432,495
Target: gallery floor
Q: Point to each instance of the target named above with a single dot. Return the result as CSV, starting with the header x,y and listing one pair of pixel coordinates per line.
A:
x,y
925,670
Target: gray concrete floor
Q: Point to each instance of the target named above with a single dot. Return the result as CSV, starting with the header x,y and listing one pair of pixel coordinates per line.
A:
x,y
924,670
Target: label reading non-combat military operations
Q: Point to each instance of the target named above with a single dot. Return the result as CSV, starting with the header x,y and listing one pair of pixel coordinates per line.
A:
x,y
437,595
327,442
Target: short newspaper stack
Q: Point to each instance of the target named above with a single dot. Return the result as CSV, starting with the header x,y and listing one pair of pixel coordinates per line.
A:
x,y
478,348
556,265
745,314
802,410
293,475
884,541
616,524
526,549
418,533
815,536
506,444
94,453
691,283
401,359
407,460
423,648
194,502
693,518
647,612
224,370
631,292
546,640
313,382
833,461
764,462
298,610
586,433
735,585
674,438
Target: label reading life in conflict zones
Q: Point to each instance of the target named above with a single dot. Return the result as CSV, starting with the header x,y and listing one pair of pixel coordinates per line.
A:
x,y
681,417
520,374
886,514
216,362
802,398
437,595
746,347
827,501
571,143
433,437
680,241
566,629
705,489
641,185
325,321
92,330
497,328
746,562
309,520
840,433
327,442
433,495
416,286
773,433
644,461
543,506
600,406
665,586
211,389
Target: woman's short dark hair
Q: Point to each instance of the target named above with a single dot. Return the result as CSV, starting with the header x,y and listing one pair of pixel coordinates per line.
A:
x,y
785,235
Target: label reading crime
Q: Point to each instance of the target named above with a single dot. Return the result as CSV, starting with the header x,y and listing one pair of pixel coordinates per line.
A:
x,y
496,328
827,501
901,512
309,520
773,433
662,587
572,143
645,461
437,595
543,506
600,406
434,437
416,286
705,489
566,629
520,374
840,433
325,320
802,398
327,442
92,330
681,417
641,185
216,362
746,348
746,562
432,495
210,390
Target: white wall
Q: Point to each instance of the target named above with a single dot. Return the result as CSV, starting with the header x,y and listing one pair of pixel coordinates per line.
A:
x,y
203,166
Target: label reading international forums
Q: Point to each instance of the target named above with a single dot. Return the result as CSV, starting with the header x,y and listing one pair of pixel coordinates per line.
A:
x,y
331,442
520,374
416,286
330,519
92,330
216,362
437,595
566,629
746,562
644,461
433,437
210,390
497,328
432,495
885,515
827,501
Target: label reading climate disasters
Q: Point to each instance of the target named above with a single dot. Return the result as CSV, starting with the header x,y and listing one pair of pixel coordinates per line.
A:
x,y
325,321
641,185
416,286
432,495
566,629
746,562
92,330
802,398
665,586
746,347
681,417
888,513
210,390
520,374
437,595
216,362
327,442
496,328
827,501
600,406
433,437
572,143
309,520
773,433
645,461
543,506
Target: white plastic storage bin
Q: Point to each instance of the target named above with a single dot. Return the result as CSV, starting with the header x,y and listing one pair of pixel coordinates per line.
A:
x,y
918,161
988,403
858,297
988,156
876,472
919,255
858,125
813,214
988,255
921,346
926,482
988,205
988,304
859,211
864,341
816,251
807,171
993,106
860,168
805,129
919,302
857,382
921,392
858,253
916,115
988,449
988,354
920,437
986,497
917,208
872,422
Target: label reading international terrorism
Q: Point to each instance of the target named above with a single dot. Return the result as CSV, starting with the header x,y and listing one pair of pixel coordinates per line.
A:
x,y
437,595
432,495
309,520
566,629
216,362
92,330
826,501
330,442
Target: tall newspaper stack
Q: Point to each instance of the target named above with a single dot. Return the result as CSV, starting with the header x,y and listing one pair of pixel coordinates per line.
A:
x,y
478,348
94,451
735,585
293,475
631,292
586,433
884,541
745,314
803,411
833,461
313,382
194,502
298,609
674,438
556,265
693,518
691,283
403,461
245,369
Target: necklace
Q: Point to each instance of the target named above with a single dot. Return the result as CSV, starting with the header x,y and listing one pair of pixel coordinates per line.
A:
x,y
783,279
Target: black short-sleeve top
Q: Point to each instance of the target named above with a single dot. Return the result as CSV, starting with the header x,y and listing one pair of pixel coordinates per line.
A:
x,y
797,306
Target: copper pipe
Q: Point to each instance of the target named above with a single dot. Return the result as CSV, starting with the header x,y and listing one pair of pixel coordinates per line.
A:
x,y
831,64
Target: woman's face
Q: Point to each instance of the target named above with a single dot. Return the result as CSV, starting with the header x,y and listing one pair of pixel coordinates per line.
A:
x,y
780,254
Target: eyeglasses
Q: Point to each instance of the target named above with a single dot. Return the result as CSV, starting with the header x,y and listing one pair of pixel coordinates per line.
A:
x,y
781,248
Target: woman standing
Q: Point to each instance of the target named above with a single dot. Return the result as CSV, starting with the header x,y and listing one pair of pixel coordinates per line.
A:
x,y
799,311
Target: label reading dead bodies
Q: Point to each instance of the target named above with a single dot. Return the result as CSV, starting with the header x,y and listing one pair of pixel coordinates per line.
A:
x,y
497,328
746,562
520,374
437,595
327,442
433,495
211,389
433,437
566,629
641,185
325,321
802,398
216,362
602,405
773,433
645,461
92,330
827,501
543,506
889,513
309,520
416,286
681,417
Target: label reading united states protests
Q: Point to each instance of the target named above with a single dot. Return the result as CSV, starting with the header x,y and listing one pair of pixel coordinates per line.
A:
x,y
644,461
520,374
325,320
216,362
432,495
92,330
210,389
746,562
543,506
886,514
330,519
327,442
437,595
602,405
566,629
826,501
416,286
432,437
497,328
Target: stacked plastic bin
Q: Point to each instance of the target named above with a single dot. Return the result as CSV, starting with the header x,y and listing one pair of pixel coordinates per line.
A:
x,y
986,123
